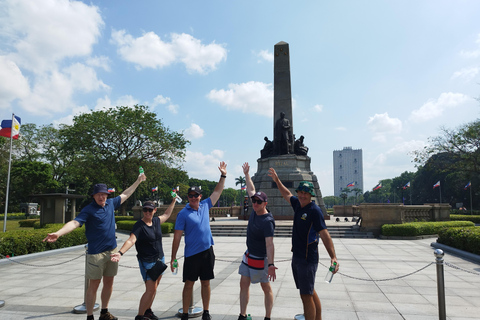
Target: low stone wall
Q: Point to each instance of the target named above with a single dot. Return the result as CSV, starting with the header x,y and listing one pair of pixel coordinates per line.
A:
x,y
375,215
345,211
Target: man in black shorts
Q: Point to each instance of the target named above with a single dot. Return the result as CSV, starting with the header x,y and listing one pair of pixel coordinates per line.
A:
x,y
308,225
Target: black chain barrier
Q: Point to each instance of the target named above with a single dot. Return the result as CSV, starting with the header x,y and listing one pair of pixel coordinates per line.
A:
x,y
239,260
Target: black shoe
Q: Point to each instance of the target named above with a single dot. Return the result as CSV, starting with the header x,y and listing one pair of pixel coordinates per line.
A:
x,y
141,318
206,315
150,315
242,317
184,316
107,316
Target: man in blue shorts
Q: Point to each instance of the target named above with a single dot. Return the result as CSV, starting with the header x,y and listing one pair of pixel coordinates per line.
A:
x,y
193,221
257,263
99,220
308,225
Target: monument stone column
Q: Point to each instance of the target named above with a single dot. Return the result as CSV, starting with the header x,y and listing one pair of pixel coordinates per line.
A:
x,y
291,168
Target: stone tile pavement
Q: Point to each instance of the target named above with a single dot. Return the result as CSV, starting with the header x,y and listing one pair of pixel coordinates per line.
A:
x,y
49,285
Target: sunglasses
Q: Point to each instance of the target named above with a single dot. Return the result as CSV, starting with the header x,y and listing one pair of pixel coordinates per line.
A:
x,y
147,209
257,201
196,195
304,189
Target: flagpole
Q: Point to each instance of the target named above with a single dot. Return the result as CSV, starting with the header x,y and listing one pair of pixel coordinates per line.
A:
x,y
440,190
8,178
471,208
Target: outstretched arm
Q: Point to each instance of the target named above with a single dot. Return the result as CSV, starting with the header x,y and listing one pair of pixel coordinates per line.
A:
x,y
164,217
286,194
130,190
115,257
219,188
248,180
67,228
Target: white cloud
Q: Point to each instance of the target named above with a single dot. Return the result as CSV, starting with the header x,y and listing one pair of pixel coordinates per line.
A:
x,y
84,78
318,108
106,103
265,55
250,97
467,74
160,100
173,108
194,132
13,84
150,51
204,166
435,108
383,124
69,119
100,62
472,54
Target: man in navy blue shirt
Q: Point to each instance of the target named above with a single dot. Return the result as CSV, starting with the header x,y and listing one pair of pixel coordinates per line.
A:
x,y
99,220
308,226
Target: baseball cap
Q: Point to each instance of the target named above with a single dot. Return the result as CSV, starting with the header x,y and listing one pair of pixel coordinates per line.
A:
x,y
149,204
260,195
195,189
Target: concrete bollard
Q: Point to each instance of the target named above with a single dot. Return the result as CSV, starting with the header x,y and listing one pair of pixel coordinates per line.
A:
x,y
82,308
442,315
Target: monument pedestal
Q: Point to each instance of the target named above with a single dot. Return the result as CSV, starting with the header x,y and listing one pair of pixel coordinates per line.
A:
x,y
291,169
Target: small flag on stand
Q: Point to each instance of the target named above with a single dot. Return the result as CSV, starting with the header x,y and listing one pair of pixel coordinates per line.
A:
x,y
111,189
155,189
469,184
436,184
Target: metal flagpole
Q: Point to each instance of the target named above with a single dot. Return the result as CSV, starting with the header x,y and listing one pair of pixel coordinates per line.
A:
x,y
471,208
8,178
440,190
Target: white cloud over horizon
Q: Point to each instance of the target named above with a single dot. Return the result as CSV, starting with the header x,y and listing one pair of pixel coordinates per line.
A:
x,y
434,108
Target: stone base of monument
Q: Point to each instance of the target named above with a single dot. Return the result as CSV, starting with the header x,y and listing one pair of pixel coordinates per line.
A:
x,y
291,169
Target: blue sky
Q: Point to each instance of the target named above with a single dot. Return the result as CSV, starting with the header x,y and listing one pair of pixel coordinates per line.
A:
x,y
382,76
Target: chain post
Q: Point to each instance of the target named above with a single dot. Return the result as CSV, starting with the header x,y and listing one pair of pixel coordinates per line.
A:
x,y
442,315
82,308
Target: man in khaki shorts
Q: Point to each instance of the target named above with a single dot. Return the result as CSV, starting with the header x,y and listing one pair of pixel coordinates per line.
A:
x,y
99,220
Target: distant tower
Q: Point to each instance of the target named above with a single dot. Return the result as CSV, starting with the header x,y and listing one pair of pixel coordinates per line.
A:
x,y
347,168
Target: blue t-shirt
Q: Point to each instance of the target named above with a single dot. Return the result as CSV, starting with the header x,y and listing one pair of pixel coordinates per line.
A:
x,y
259,227
307,222
100,225
196,225
149,240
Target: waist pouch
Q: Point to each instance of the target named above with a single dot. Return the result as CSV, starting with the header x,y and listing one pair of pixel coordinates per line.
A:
x,y
253,262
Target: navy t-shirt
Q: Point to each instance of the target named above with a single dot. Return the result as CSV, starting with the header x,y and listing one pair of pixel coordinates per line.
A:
x,y
259,227
149,240
307,222
100,225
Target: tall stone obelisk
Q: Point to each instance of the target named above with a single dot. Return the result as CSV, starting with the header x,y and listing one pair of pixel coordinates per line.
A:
x,y
291,165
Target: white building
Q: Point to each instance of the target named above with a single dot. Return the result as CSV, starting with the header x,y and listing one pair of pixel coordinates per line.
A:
x,y
347,169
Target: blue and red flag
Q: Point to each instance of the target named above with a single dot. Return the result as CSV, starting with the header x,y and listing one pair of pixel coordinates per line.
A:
x,y
9,129
407,185
111,189
155,189
469,184
436,184
378,186
244,187
351,184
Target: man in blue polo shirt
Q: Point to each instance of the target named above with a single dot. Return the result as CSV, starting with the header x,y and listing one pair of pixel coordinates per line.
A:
x,y
99,220
193,220
308,225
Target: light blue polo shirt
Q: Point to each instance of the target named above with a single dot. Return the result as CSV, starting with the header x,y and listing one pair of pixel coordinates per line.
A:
x,y
196,226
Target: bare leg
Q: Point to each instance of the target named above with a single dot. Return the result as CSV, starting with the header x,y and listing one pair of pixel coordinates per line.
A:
x,y
312,308
187,295
91,295
244,294
148,296
267,290
205,293
106,291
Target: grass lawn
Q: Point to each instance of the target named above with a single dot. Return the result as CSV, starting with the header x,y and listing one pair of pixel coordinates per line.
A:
x,y
11,225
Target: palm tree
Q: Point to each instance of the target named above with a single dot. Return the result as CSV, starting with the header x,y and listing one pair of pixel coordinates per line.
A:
x,y
240,181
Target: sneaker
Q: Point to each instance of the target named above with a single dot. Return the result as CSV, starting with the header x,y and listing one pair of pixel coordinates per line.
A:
x,y
184,316
150,315
107,316
141,318
242,317
206,316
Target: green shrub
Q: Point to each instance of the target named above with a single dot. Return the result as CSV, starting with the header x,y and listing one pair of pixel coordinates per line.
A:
x,y
465,217
13,216
421,228
28,223
463,212
122,218
20,242
466,238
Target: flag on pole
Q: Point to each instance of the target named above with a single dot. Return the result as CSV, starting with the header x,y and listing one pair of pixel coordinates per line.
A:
x,y
351,184
469,184
155,189
111,189
378,186
244,187
10,128
407,185
436,184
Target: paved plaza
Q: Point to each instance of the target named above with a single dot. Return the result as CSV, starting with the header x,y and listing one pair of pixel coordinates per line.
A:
x,y
49,285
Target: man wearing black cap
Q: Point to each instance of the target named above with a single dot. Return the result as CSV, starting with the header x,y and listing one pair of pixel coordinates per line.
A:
x,y
257,264
308,226
193,221
99,220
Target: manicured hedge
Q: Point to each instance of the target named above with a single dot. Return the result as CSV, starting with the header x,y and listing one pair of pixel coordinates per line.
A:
x,y
463,212
122,218
20,242
13,216
421,228
28,223
464,217
167,227
467,238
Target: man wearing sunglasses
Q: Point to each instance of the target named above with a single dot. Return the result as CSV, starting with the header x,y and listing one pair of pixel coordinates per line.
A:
x,y
308,226
257,263
193,221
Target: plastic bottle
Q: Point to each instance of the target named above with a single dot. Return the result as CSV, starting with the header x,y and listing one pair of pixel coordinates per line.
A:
x,y
249,317
329,276
175,267
140,170
174,195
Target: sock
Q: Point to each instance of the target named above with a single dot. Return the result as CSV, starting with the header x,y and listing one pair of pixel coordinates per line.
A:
x,y
205,311
90,317
266,318
103,311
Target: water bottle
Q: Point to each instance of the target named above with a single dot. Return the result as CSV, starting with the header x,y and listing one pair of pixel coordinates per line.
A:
x,y
329,276
175,267
174,195
140,170
249,317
